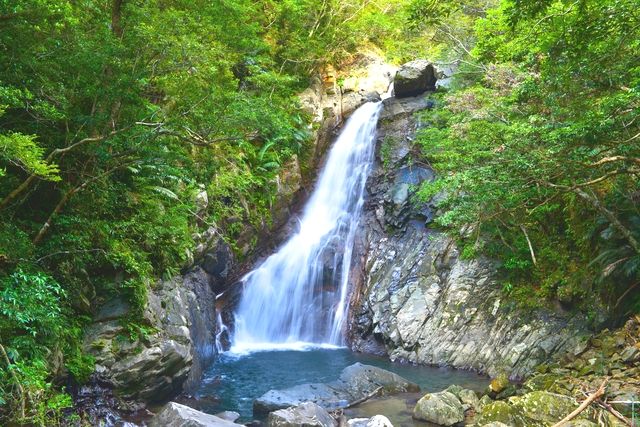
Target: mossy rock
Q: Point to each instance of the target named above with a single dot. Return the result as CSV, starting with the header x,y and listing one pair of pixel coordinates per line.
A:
x,y
547,407
541,382
484,401
501,412
499,383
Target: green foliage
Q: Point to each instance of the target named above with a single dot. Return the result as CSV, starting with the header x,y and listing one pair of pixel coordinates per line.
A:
x,y
539,150
34,328
22,150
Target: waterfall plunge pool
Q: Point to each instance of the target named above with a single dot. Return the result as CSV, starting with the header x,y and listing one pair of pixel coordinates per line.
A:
x,y
234,381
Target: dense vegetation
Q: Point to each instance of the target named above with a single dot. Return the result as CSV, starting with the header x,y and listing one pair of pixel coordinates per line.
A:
x,y
538,146
114,115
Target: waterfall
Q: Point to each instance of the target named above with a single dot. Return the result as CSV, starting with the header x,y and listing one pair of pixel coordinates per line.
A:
x,y
299,295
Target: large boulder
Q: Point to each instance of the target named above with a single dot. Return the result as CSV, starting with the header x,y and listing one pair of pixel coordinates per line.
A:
x,y
307,414
355,382
176,415
441,408
414,78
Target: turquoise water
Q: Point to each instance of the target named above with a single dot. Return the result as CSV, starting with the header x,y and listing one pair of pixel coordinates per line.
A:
x,y
233,382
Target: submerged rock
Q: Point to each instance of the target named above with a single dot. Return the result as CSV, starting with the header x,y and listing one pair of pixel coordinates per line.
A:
x,y
414,78
176,415
356,382
441,408
307,414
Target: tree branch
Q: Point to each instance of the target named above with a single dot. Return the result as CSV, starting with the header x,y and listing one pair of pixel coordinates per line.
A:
x,y
45,227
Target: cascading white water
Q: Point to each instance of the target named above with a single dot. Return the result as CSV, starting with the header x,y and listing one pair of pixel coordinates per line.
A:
x,y
299,295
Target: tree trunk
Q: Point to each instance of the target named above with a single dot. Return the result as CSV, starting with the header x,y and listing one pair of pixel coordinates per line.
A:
x,y
116,17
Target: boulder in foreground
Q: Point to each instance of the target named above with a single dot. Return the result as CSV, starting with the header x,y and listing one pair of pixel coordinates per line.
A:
x,y
177,415
305,415
441,408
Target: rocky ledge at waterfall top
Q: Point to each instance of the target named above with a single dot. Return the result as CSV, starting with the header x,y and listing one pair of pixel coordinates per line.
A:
x,y
416,299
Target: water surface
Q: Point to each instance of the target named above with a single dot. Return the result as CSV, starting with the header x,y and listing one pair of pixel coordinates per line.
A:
x,y
233,382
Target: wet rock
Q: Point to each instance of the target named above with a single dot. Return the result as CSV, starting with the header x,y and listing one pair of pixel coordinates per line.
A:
x,y
441,408
304,415
355,382
228,415
153,374
328,396
360,380
176,415
218,263
155,366
414,78
375,421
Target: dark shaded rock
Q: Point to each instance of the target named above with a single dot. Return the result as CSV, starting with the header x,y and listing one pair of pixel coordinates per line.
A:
x,y
414,78
218,263
113,309
307,414
176,415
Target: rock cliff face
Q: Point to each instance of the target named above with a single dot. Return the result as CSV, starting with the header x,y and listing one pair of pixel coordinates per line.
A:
x,y
155,364
416,299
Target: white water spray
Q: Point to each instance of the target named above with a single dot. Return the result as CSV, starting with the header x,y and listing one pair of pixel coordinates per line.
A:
x,y
299,296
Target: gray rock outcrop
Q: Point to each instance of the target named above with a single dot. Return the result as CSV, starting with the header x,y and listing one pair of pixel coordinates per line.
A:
x,y
417,299
177,415
155,366
355,382
414,78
